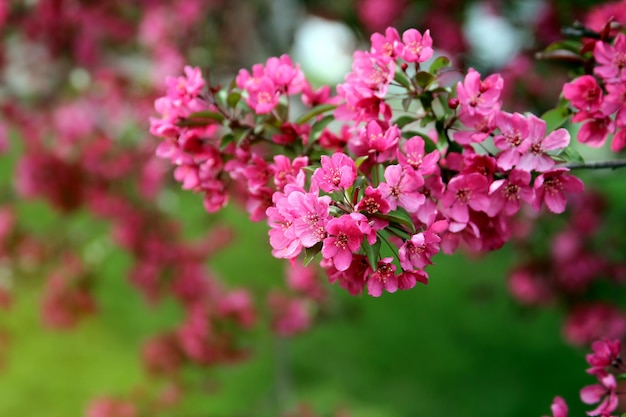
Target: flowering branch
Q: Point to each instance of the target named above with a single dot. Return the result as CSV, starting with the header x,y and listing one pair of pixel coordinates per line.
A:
x,y
353,172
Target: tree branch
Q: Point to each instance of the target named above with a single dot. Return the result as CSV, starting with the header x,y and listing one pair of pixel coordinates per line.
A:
x,y
618,163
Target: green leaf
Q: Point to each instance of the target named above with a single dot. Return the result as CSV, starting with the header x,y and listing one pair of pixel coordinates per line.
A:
x,y
404,120
227,139
212,115
359,161
570,154
240,134
424,79
315,111
399,216
378,173
194,122
440,90
233,98
621,376
426,120
567,44
555,118
410,133
372,252
403,80
310,253
439,63
561,55
319,126
401,233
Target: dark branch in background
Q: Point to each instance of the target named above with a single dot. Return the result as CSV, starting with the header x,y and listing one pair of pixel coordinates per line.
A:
x,y
619,163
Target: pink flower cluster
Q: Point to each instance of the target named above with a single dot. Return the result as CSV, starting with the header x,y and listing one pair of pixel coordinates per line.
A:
x,y
605,359
600,99
382,188
267,83
372,73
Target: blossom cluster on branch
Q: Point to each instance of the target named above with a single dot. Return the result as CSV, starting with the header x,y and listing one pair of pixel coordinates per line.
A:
x,y
404,162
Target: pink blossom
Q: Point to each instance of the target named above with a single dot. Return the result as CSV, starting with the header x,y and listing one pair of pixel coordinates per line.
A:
x,y
311,97
285,171
187,87
415,47
401,188
465,191
482,97
352,279
611,59
432,190
334,142
285,244
384,278
368,230
373,202
408,279
377,137
244,78
412,154
337,172
385,45
506,194
606,353
287,76
290,132
584,93
215,195
604,392
482,232
262,96
482,164
600,14
257,203
416,253
513,139
535,158
615,101
344,238
559,407
550,188
360,102
595,131
374,71
619,141
311,213
480,126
